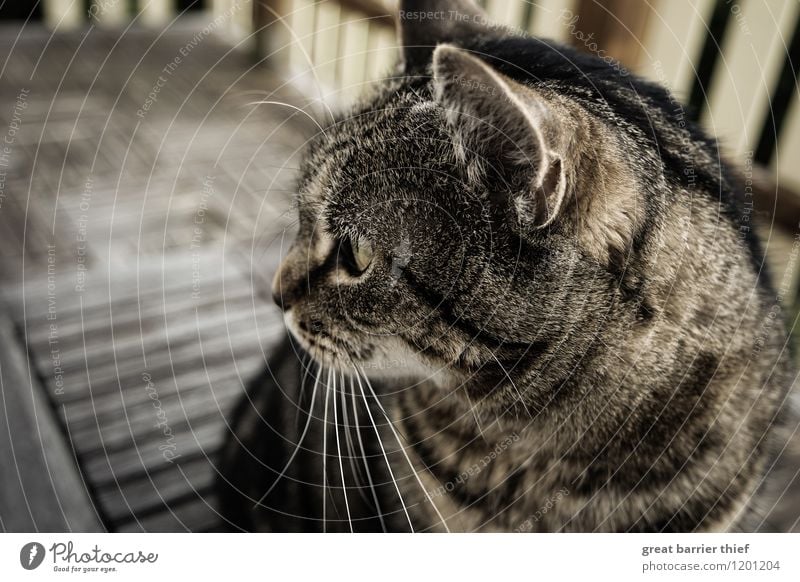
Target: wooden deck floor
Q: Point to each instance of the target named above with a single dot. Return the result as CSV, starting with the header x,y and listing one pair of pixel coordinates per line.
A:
x,y
138,234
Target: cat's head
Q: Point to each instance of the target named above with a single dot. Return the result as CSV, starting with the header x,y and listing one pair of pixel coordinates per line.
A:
x,y
443,224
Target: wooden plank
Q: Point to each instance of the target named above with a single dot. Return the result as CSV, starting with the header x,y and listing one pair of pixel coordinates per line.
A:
x,y
195,515
41,488
87,412
158,346
156,331
200,441
137,423
221,352
124,285
147,314
161,492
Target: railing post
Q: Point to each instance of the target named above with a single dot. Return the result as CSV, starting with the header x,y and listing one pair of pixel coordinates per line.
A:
x,y
272,37
618,27
156,14
63,14
109,12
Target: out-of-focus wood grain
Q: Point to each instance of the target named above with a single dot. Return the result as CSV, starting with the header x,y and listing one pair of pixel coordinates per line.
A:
x,y
137,249
617,26
40,486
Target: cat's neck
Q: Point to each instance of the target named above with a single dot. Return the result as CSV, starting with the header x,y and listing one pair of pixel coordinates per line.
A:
x,y
446,410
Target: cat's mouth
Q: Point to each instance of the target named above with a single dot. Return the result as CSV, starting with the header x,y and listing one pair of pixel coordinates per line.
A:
x,y
319,349
321,345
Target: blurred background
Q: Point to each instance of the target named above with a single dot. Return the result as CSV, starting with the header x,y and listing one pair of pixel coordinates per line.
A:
x,y
147,156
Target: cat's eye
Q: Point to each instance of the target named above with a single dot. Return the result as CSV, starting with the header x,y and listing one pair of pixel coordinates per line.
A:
x,y
357,254
362,252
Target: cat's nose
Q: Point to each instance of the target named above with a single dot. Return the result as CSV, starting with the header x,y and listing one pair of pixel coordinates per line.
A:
x,y
277,298
278,291
286,286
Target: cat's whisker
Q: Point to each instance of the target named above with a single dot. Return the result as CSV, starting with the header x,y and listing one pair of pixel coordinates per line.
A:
x,y
618,232
304,364
296,42
299,441
266,248
325,455
405,454
290,106
278,167
353,400
513,385
262,95
474,414
339,453
348,438
383,450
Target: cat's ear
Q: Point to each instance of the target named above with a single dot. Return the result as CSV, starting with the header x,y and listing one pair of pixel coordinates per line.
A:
x,y
500,126
423,24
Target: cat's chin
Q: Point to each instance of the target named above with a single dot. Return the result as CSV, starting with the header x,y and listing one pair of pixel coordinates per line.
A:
x,y
321,349
325,355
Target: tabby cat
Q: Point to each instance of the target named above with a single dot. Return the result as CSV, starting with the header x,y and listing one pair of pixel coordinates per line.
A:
x,y
524,295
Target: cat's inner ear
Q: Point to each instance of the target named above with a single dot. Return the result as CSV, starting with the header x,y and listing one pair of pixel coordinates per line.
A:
x,y
423,24
501,128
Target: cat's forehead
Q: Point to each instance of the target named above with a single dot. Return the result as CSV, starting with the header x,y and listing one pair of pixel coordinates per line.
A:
x,y
394,148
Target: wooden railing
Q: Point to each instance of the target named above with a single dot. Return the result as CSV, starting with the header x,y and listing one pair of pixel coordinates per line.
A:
x,y
733,64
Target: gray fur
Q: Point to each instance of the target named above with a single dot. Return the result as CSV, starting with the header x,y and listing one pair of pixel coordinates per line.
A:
x,y
564,307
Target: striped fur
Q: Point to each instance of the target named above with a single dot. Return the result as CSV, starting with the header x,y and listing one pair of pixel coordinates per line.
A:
x,y
566,315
